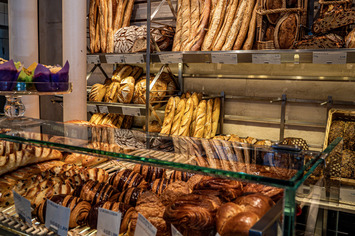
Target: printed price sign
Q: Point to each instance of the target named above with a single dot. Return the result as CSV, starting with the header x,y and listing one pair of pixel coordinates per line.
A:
x,y
266,59
347,194
170,58
174,231
23,207
115,59
224,58
131,111
329,57
103,109
144,227
108,223
57,218
92,108
134,58
93,59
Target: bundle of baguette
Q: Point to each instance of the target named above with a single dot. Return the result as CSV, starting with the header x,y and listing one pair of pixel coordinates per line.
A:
x,y
112,120
214,25
191,116
105,18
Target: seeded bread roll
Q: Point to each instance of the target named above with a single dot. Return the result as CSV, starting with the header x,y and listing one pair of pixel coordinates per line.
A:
x,y
215,116
169,116
186,118
179,112
208,125
200,119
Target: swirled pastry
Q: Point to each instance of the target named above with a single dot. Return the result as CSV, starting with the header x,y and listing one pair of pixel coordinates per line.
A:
x,y
150,173
174,191
125,179
95,192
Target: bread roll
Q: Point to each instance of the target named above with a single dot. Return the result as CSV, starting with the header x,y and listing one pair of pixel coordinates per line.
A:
x,y
228,21
215,116
125,93
200,120
248,44
208,125
169,116
178,30
128,13
179,112
203,23
186,24
215,25
245,25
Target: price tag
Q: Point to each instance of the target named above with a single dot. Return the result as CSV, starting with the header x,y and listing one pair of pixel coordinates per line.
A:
x,y
224,58
217,234
103,109
23,207
347,194
144,227
57,218
92,108
174,231
134,58
131,111
108,223
114,59
266,58
93,59
170,58
329,57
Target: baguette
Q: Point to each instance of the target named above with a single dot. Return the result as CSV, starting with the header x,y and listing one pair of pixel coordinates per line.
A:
x,y
186,24
215,116
194,114
195,17
177,117
203,23
137,72
233,33
200,120
102,26
186,118
178,31
97,36
121,74
169,116
245,25
228,20
212,162
128,13
215,25
109,43
249,42
125,93
208,124
118,20
92,24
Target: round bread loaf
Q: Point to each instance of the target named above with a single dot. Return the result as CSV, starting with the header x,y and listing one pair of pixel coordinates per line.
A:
x,y
286,31
158,91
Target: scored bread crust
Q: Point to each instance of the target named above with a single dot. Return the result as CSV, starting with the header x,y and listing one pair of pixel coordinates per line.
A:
x,y
178,31
200,119
245,25
125,93
102,25
248,44
92,24
203,23
208,124
169,116
177,117
128,13
195,17
186,118
215,116
186,24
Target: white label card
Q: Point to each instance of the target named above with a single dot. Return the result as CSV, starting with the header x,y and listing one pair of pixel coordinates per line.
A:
x,y
57,218
108,223
93,59
174,231
217,234
131,111
23,207
224,58
103,109
329,57
134,58
144,227
171,58
92,108
347,194
114,59
266,58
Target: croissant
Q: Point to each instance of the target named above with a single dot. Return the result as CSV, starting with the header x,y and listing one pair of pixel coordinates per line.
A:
x,y
150,173
125,179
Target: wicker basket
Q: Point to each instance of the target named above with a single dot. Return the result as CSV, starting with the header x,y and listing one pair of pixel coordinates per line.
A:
x,y
263,16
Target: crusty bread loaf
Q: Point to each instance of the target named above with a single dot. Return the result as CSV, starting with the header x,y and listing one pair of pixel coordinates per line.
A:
x,y
228,20
92,24
169,116
208,125
119,75
97,92
235,29
103,24
125,93
136,72
195,17
203,23
112,91
215,116
245,25
179,112
178,30
128,13
350,39
195,101
120,12
184,129
200,119
215,25
248,44
97,35
186,24
109,37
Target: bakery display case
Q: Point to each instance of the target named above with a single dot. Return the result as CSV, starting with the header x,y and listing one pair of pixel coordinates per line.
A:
x,y
220,176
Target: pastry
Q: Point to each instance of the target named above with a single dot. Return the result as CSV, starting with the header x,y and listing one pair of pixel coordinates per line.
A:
x,y
272,192
129,196
179,175
95,192
125,179
150,173
159,185
173,191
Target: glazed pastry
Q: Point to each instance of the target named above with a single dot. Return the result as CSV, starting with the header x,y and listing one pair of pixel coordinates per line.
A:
x,y
95,192
131,195
272,192
125,179
159,185
174,191
150,173
179,175
79,209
